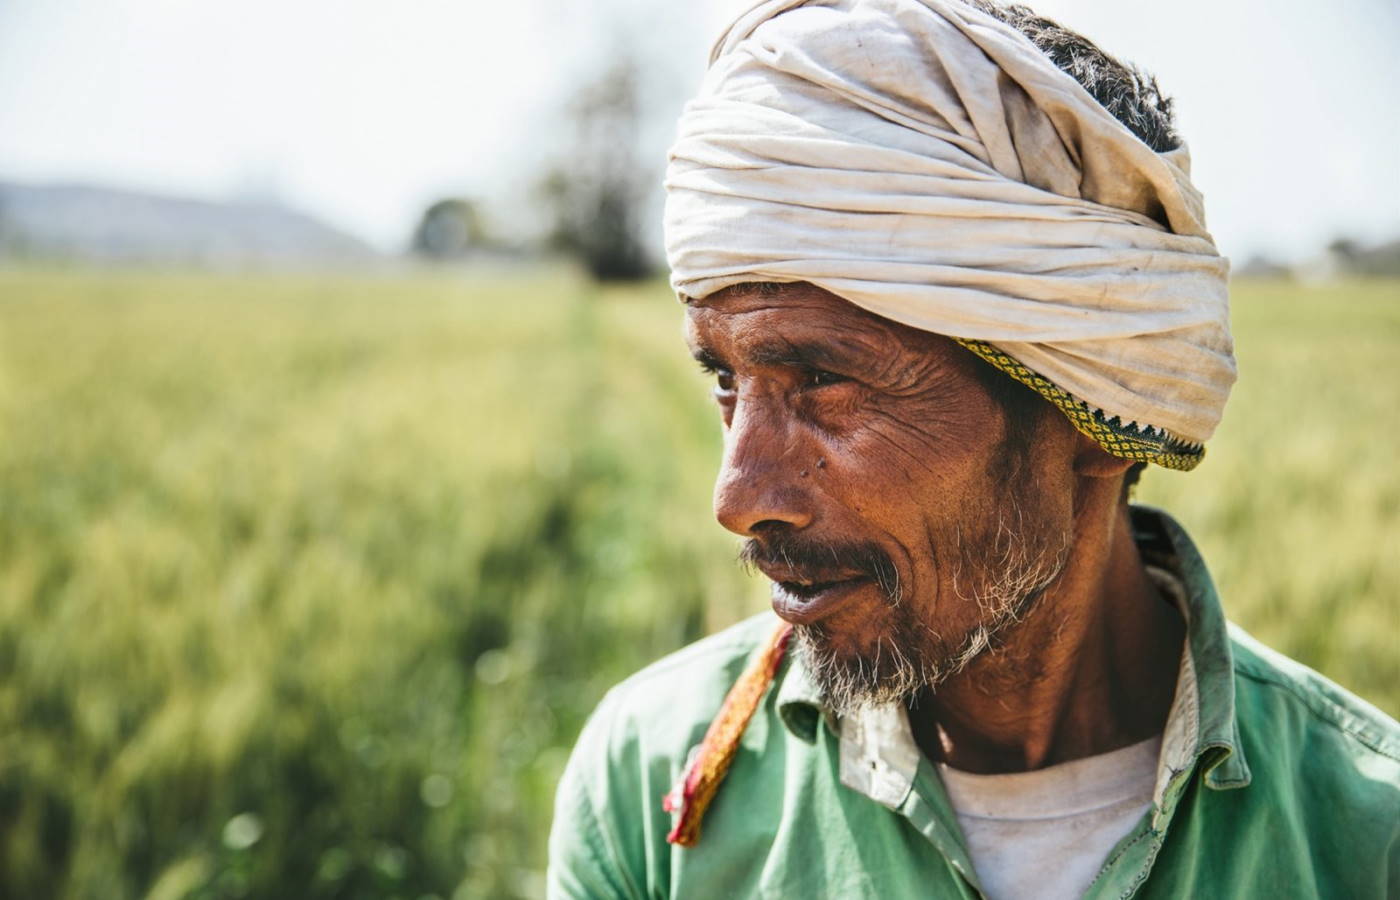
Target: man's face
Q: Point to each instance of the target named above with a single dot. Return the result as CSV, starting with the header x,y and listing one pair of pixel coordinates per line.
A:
x,y
865,462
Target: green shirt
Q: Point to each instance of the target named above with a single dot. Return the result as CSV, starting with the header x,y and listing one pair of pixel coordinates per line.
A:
x,y
1273,782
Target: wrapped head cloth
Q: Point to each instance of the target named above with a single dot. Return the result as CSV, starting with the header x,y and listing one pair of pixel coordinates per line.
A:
x,y
929,164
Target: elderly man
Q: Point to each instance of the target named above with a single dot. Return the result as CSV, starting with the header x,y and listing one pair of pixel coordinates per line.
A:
x,y
947,266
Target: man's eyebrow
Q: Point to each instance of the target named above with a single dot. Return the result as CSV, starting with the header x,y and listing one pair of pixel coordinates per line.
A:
x,y
808,354
707,358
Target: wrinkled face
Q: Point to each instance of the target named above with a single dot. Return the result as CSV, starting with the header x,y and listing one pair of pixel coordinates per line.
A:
x,y
865,463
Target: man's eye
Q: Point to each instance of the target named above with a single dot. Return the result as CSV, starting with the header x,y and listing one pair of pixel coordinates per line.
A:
x,y
724,379
819,377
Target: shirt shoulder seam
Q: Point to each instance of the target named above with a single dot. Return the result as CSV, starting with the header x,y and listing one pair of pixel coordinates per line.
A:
x,y
1322,708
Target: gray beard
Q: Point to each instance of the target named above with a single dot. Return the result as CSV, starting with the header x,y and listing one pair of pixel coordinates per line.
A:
x,y
1007,576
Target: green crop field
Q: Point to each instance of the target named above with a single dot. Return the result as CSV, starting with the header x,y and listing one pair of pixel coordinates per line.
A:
x,y
307,582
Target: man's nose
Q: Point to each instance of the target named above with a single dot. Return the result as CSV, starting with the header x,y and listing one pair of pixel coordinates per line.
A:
x,y
762,481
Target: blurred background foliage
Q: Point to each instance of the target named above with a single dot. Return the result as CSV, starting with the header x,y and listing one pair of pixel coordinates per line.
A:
x,y
308,582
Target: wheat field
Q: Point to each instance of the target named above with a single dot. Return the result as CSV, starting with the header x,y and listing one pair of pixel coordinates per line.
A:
x,y
308,581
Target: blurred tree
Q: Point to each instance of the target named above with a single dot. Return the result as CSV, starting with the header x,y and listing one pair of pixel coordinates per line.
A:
x,y
1344,249
449,229
1348,257
597,195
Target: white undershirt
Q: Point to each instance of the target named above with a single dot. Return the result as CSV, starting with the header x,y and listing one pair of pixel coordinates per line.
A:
x,y
1047,833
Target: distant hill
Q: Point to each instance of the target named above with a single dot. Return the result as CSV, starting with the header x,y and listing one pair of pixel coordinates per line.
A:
x,y
98,224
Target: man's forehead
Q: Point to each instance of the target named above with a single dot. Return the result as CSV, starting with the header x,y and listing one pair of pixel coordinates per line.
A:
x,y
796,305
796,323
763,314
754,295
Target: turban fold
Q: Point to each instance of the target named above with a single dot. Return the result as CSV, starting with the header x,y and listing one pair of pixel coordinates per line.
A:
x,y
929,164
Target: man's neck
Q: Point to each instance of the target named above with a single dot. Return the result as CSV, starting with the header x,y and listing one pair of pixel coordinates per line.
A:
x,y
1092,669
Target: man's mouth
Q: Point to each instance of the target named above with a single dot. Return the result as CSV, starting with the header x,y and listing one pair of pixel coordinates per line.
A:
x,y
807,590
815,579
802,600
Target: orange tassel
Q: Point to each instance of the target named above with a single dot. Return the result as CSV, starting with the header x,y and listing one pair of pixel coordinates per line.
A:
x,y
701,778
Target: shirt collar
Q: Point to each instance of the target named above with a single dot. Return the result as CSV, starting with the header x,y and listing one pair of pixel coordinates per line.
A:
x,y
799,701
1201,727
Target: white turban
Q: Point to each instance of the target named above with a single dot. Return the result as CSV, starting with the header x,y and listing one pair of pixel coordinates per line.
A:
x,y
929,164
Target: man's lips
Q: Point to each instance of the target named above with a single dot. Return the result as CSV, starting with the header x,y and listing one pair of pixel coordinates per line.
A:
x,y
806,597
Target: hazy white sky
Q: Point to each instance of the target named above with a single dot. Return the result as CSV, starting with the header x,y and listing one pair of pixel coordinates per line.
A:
x,y
363,112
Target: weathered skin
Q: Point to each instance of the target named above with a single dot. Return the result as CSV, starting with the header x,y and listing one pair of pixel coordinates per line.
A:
x,y
844,428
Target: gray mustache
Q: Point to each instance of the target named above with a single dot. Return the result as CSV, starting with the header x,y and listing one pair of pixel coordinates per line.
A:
x,y
815,558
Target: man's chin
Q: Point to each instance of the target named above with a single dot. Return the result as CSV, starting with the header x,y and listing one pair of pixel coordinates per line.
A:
x,y
850,678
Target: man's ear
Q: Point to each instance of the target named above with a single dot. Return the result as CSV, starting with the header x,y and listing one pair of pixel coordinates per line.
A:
x,y
1093,461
